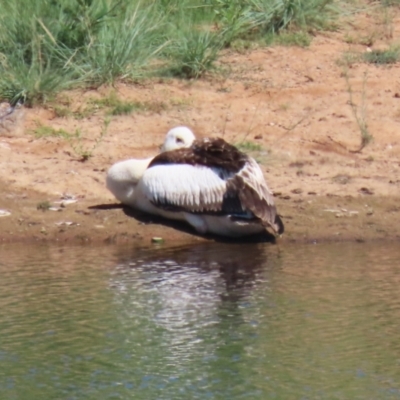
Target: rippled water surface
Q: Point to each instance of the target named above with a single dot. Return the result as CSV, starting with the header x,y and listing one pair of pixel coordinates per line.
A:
x,y
212,321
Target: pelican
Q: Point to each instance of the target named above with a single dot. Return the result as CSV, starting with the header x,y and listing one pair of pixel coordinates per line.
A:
x,y
208,183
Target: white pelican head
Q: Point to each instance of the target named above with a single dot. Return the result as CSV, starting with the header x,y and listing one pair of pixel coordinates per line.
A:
x,y
178,137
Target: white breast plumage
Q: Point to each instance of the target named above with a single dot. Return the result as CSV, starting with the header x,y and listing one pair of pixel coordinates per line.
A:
x,y
208,183
192,188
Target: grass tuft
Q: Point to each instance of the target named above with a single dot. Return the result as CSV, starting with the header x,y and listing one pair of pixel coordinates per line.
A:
x,y
82,151
50,46
194,53
43,131
273,16
248,146
359,113
287,38
381,57
116,106
43,205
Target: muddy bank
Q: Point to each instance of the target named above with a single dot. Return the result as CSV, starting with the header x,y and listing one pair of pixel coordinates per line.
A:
x,y
307,218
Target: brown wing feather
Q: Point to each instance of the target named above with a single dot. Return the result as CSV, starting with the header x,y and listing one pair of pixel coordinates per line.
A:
x,y
255,195
208,152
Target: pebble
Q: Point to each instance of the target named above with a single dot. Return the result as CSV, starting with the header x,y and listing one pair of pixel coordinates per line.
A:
x,y
66,223
4,213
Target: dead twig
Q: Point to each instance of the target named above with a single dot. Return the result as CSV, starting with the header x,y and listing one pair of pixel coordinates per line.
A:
x,y
360,114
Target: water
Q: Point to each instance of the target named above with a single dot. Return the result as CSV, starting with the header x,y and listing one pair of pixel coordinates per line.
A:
x,y
203,322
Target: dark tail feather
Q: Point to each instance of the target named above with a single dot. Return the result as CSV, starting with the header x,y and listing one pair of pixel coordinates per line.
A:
x,y
278,225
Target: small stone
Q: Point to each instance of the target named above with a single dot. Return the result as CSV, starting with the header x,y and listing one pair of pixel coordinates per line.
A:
x,y
157,239
65,203
4,213
365,190
67,196
65,223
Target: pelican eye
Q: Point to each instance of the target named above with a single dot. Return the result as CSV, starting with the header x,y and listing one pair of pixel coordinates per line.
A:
x,y
179,140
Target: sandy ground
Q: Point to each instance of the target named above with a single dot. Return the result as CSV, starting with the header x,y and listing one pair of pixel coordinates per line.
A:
x,y
293,102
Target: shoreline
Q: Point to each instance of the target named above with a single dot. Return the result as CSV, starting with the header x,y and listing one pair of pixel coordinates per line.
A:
x,y
307,219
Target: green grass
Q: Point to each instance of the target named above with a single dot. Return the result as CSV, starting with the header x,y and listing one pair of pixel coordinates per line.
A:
x,y
389,3
256,150
110,105
85,152
82,151
194,53
50,46
390,55
359,112
287,38
43,205
248,146
381,57
43,131
277,15
115,106
253,149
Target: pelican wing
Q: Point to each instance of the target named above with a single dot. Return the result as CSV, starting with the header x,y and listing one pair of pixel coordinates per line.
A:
x,y
254,194
211,176
192,188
